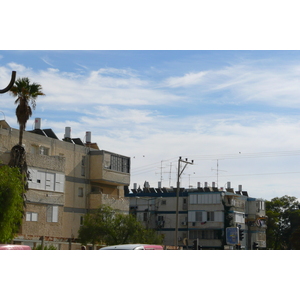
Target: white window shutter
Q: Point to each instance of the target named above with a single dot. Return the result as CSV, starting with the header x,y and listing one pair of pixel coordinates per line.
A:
x,y
49,213
34,217
28,216
55,214
192,216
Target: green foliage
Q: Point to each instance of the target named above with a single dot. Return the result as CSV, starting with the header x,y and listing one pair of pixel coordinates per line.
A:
x,y
283,224
47,247
11,202
105,226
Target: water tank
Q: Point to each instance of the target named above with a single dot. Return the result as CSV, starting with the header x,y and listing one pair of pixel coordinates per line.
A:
x,y
88,137
68,132
37,123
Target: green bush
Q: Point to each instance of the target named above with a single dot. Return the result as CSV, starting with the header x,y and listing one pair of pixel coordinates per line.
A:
x,y
47,247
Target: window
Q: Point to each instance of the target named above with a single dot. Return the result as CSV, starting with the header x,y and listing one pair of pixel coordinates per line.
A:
x,y
260,205
145,216
34,149
44,150
119,163
96,189
31,216
198,216
52,213
204,234
80,192
210,216
193,199
239,218
44,180
83,166
160,221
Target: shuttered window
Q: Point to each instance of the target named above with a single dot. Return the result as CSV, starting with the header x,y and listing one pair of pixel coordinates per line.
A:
x,y
31,216
52,213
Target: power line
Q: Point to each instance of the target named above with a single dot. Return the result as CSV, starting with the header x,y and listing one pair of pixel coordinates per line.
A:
x,y
252,174
241,155
250,155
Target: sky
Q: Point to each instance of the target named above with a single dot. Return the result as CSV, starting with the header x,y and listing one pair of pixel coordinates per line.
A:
x,y
234,113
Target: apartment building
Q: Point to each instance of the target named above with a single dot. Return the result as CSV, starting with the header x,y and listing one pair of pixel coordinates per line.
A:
x,y
68,178
203,215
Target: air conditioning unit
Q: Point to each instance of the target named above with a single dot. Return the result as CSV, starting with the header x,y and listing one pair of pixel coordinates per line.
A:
x,y
184,223
194,223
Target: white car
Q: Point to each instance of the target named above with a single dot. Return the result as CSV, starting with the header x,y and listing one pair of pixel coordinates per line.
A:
x,y
133,247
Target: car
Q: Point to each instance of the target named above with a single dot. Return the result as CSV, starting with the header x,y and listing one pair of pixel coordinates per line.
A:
x,y
133,247
14,247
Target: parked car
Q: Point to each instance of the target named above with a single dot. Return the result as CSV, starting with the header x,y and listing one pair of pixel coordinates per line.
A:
x,y
133,247
14,247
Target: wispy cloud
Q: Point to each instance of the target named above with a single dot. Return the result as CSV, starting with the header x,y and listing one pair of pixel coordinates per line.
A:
x,y
46,60
186,80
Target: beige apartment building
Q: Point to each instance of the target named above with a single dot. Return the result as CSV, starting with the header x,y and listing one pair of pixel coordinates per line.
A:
x,y
68,178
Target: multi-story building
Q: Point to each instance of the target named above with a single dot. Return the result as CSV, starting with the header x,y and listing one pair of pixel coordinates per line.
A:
x,y
203,215
68,178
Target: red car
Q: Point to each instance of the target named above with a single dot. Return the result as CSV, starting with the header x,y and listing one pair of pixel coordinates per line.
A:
x,y
14,247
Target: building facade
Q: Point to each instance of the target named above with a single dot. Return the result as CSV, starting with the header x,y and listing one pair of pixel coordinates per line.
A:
x,y
68,178
203,216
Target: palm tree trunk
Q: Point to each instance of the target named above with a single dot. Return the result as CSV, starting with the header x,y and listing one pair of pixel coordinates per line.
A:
x,y
21,134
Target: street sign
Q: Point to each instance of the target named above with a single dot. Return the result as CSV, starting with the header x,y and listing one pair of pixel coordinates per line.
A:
x,y
232,235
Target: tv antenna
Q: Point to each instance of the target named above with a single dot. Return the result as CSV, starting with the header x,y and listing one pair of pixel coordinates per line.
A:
x,y
218,172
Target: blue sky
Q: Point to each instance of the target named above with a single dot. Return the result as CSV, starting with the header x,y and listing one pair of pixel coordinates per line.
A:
x,y
237,108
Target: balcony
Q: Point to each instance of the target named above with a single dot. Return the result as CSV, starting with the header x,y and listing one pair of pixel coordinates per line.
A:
x,y
109,168
97,199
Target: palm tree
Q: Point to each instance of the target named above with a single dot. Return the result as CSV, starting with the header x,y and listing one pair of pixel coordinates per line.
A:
x,y
26,92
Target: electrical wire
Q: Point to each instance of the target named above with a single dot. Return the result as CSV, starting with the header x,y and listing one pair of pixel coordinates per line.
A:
x,y
152,167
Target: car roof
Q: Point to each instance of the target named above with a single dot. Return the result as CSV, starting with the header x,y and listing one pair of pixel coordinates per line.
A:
x,y
122,247
14,247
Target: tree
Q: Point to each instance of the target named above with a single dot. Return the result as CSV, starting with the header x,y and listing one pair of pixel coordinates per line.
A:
x,y
283,223
108,227
25,92
11,203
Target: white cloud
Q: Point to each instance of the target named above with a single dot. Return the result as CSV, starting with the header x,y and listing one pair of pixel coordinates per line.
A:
x,y
245,83
186,80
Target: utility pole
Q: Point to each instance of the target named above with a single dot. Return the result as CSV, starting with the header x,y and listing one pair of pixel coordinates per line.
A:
x,y
186,162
